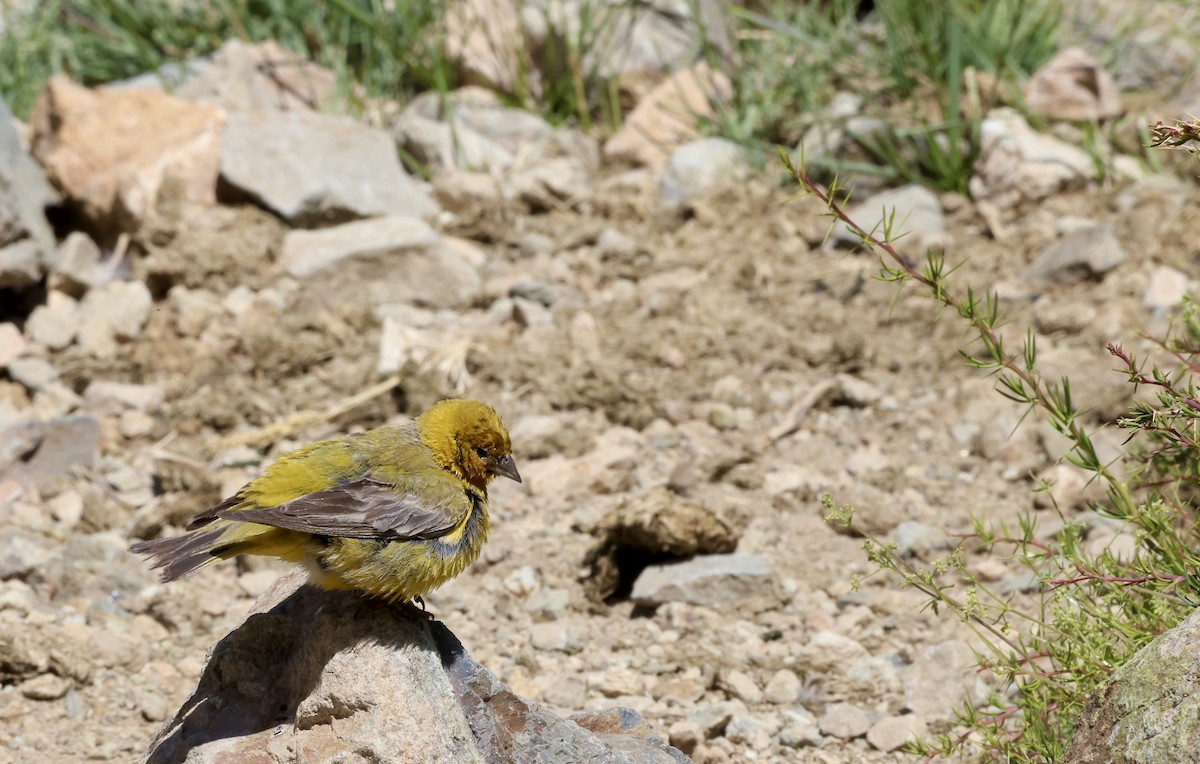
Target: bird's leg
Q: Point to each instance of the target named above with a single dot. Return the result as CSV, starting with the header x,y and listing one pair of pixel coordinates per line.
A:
x,y
418,605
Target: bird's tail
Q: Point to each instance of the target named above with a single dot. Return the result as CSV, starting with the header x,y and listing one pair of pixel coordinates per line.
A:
x,y
220,540
183,554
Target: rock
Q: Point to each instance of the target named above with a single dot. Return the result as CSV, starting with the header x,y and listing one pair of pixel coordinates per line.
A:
x,y
33,372
45,687
24,193
104,396
1086,253
783,688
356,678
1018,166
668,116
27,652
76,267
622,681
114,312
894,732
940,678
459,191
484,38
552,184
828,137
12,344
920,539
740,685
1146,711
57,446
527,313
55,323
712,718
1166,289
443,146
685,736
721,581
392,259
915,210
829,652
547,604
701,167
1073,86
613,244
800,729
556,637
112,151
243,77
316,170
752,730
20,555
845,721
646,39
21,264
651,526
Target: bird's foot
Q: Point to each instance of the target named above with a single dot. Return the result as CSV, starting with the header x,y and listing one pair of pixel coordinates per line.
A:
x,y
418,605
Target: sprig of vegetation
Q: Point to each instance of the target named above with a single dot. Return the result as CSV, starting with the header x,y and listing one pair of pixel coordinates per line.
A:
x,y
1094,609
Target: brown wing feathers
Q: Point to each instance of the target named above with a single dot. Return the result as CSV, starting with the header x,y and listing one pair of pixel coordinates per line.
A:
x,y
362,509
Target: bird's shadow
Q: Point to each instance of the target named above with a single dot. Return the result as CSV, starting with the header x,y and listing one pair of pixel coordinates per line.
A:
x,y
261,676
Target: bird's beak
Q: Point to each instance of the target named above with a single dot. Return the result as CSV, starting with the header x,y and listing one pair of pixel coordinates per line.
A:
x,y
506,467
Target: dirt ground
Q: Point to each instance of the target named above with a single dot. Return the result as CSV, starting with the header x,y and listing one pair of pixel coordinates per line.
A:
x,y
671,348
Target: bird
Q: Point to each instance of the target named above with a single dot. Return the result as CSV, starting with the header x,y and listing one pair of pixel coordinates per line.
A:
x,y
393,512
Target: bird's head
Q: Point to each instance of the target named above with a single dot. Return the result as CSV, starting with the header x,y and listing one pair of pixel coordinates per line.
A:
x,y
468,438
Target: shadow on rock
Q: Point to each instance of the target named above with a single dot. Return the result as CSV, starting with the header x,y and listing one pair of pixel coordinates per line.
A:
x,y
313,675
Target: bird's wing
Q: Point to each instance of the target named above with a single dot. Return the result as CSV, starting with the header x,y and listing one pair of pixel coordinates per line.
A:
x,y
368,509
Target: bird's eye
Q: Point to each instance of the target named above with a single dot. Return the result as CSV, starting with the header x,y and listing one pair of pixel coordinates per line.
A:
x,y
481,452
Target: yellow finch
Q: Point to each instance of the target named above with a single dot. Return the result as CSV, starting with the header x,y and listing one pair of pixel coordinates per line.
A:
x,y
393,512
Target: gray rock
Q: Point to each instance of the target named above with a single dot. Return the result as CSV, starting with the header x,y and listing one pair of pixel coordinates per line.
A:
x,y
20,264
845,721
1018,165
20,555
701,167
555,636
783,688
552,184
75,270
752,730
56,323
893,732
920,539
800,729
940,678
24,191
1166,289
240,77
307,253
33,372
12,344
1088,252
1147,710
652,37
393,259
55,447
740,685
717,580
1073,86
314,170
660,523
349,678
914,210
104,396
114,312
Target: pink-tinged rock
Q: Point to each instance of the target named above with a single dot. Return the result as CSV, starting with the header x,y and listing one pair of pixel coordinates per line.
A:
x,y
111,152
